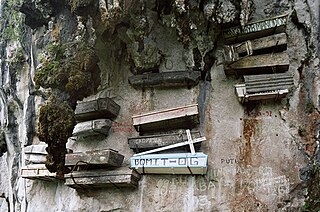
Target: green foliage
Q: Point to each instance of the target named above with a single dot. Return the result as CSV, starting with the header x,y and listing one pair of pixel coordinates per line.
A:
x,y
11,21
56,123
78,75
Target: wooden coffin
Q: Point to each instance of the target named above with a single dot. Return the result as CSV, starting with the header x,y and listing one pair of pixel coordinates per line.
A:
x,y
269,44
143,143
175,118
37,172
94,127
258,64
166,79
265,86
256,29
35,153
93,159
118,178
95,109
176,163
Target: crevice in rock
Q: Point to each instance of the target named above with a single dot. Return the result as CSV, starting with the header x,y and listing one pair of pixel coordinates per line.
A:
x,y
6,199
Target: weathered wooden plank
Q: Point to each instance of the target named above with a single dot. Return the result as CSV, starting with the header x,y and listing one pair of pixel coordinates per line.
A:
x,y
177,163
276,62
256,29
97,108
269,44
122,177
179,117
101,158
143,143
93,127
37,172
166,79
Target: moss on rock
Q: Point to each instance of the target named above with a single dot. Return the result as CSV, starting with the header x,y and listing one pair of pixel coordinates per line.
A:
x,y
72,78
56,123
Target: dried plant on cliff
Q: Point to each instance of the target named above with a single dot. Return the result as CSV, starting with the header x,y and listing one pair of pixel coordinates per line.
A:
x,y
72,78
56,123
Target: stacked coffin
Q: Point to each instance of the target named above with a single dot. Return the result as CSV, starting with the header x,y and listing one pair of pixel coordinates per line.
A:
x,y
258,51
97,168
94,117
165,79
35,156
147,159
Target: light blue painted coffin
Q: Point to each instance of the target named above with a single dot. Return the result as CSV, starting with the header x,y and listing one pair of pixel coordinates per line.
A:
x,y
176,163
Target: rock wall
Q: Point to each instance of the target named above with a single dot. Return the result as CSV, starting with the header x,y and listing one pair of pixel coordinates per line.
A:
x,y
263,156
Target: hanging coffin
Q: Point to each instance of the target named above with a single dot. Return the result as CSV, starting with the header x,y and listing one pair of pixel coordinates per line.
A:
x,y
257,29
270,44
94,127
166,79
143,143
94,159
118,178
177,163
174,118
265,86
35,153
95,109
37,172
259,64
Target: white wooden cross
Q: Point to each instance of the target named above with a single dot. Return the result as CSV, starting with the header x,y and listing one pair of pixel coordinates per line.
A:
x,y
189,142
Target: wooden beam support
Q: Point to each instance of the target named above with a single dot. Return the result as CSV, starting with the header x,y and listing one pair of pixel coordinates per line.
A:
x,y
37,172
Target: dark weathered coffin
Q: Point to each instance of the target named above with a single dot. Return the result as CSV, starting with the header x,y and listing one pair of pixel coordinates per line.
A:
x,y
257,29
257,64
175,118
100,158
143,143
37,172
265,86
95,109
118,178
35,153
166,79
177,163
269,44
94,127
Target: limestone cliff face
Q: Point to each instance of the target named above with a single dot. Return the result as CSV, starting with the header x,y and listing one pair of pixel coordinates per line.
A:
x,y
263,156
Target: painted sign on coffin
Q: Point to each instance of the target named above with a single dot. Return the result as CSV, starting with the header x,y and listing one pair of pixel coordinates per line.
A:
x,y
177,163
